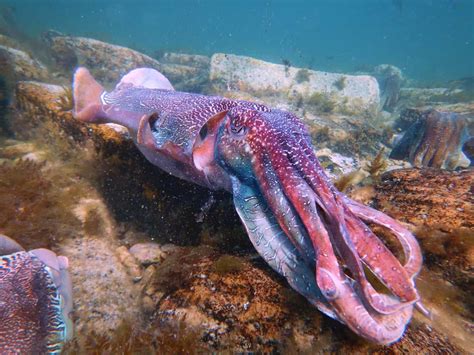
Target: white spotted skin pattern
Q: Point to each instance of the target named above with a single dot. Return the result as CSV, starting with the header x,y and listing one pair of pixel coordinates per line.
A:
x,y
180,115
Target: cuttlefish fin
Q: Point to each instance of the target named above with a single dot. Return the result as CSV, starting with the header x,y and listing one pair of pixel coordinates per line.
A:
x,y
87,97
146,78
8,245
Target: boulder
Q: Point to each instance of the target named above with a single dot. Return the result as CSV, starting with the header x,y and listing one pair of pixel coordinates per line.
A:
x,y
192,60
109,62
325,92
18,65
238,304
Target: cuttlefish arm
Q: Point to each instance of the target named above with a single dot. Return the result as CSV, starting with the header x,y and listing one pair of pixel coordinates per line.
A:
x,y
308,231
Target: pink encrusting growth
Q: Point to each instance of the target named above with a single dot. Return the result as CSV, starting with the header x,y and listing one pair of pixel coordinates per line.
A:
x,y
300,224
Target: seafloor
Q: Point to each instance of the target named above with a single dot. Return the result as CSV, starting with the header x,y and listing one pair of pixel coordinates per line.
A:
x,y
160,265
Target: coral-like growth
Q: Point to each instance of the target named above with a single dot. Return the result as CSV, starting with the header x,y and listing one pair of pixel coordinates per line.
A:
x,y
378,165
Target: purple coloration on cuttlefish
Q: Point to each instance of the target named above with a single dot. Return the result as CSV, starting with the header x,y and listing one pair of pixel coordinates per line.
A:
x,y
35,300
305,229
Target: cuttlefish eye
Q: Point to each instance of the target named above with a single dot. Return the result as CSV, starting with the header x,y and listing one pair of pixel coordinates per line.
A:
x,y
237,128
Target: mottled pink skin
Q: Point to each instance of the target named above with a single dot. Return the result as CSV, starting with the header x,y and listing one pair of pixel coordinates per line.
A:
x,y
178,119
300,224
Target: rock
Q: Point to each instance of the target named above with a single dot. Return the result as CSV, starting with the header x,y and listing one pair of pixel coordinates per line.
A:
x,y
390,79
151,253
9,42
106,61
188,72
415,97
249,308
109,62
192,60
18,65
325,92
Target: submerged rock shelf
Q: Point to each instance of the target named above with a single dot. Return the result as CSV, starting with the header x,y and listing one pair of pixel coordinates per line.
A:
x,y
160,265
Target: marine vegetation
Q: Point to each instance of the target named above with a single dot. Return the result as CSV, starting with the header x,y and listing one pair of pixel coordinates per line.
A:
x,y
347,180
227,264
340,83
65,101
322,102
302,75
132,338
36,205
378,164
298,222
287,64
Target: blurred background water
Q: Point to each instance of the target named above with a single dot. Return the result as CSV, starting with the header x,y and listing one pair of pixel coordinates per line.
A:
x,y
430,40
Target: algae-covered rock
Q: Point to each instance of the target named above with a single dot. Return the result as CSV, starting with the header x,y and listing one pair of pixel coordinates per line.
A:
x,y
326,92
192,60
18,65
237,303
439,206
135,191
187,72
107,61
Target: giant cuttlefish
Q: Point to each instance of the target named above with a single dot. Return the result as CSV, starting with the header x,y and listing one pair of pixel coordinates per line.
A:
x,y
435,139
35,300
305,229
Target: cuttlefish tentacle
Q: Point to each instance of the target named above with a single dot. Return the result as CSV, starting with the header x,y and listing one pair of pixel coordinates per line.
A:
x,y
371,249
311,173
287,177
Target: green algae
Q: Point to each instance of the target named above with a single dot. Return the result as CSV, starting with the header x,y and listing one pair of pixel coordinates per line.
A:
x,y
227,264
302,76
341,83
131,338
322,102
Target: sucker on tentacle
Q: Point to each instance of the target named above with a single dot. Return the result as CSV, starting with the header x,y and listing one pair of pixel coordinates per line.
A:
x,y
298,222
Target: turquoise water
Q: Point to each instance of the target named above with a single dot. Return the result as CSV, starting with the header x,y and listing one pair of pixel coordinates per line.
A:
x,y
432,41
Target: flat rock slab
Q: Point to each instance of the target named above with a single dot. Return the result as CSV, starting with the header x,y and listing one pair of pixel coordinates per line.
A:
x,y
259,78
